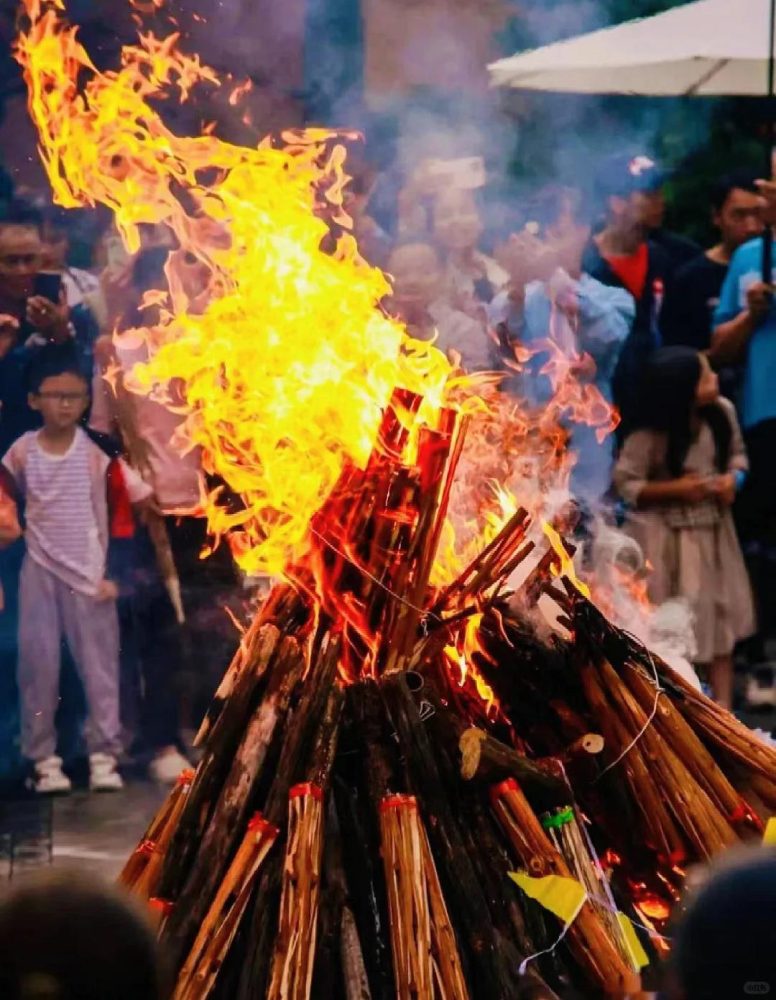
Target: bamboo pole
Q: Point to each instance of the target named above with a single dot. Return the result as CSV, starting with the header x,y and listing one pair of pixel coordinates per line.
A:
x,y
401,840
597,954
292,968
197,976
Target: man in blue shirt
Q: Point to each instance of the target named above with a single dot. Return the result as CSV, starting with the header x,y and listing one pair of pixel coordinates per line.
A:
x,y
745,333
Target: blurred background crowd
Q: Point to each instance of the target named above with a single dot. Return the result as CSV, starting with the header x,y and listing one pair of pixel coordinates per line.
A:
x,y
628,232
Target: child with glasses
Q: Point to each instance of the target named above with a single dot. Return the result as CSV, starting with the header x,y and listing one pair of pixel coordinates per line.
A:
x,y
66,481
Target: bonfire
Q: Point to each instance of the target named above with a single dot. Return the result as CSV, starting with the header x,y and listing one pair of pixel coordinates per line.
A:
x,y
434,769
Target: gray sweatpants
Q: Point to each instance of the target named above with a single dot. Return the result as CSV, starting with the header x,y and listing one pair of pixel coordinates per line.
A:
x,y
48,610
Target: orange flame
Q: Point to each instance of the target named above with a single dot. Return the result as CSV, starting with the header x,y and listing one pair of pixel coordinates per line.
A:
x,y
285,358
277,355
460,658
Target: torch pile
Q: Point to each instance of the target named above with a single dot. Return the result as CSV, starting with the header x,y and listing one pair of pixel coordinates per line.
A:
x,y
382,754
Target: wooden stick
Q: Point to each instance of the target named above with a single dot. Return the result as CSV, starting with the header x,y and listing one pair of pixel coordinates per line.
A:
x,y
195,974
234,801
487,759
408,904
660,829
697,816
292,967
293,762
448,973
352,958
681,736
138,860
228,729
147,882
490,965
591,945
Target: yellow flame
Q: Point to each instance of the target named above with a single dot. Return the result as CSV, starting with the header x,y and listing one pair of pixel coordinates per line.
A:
x,y
566,562
286,361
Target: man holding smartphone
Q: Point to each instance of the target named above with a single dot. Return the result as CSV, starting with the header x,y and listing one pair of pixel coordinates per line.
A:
x,y
31,314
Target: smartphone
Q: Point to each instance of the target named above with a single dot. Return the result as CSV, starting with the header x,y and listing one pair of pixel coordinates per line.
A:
x,y
467,173
49,285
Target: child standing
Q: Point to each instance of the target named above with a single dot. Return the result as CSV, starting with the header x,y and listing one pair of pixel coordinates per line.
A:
x,y
64,479
680,472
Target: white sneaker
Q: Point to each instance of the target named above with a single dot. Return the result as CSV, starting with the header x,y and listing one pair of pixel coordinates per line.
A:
x,y
50,779
103,776
167,766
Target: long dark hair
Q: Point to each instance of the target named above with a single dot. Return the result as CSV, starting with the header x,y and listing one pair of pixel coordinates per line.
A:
x,y
668,403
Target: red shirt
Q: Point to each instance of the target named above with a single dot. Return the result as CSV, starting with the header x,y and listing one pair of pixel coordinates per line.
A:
x,y
631,270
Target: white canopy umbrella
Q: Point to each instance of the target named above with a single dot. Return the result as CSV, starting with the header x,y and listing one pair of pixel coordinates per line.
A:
x,y
706,48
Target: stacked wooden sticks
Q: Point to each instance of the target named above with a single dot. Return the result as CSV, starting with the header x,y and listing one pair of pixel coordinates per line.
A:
x,y
329,844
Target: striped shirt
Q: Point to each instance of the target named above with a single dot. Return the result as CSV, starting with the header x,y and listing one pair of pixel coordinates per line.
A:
x,y
62,526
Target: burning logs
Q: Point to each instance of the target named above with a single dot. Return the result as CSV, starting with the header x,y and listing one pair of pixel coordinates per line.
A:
x,y
396,746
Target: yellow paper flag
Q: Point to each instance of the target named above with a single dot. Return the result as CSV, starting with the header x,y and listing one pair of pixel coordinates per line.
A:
x,y
769,837
560,895
635,948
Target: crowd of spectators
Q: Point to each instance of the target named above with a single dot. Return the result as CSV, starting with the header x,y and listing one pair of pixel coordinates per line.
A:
x,y
679,339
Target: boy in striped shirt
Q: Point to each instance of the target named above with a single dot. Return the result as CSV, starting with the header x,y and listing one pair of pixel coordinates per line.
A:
x,y
64,478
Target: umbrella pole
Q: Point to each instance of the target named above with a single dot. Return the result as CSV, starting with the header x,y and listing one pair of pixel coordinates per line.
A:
x,y
770,117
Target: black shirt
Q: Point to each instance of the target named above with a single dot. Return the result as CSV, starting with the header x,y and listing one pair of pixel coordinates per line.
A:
x,y
677,249
646,333
693,297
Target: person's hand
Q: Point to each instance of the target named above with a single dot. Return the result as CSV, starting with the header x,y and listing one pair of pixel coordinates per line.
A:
x,y
9,331
106,591
49,318
584,368
768,190
693,488
9,520
725,489
758,300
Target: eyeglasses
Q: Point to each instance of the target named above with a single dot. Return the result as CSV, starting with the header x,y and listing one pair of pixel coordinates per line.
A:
x,y
63,397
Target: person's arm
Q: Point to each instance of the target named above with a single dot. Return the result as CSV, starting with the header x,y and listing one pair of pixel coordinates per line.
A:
x,y
605,319
633,477
731,482
688,489
10,529
733,326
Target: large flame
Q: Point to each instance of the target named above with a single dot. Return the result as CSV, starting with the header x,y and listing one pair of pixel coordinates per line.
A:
x,y
277,354
284,356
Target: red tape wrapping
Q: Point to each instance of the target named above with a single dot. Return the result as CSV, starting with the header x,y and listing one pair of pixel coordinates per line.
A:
x,y
398,802
306,788
257,822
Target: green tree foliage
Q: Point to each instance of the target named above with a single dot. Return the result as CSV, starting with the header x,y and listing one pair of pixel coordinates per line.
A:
x,y
564,136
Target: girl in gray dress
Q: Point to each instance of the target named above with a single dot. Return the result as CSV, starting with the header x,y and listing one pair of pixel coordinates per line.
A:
x,y
679,473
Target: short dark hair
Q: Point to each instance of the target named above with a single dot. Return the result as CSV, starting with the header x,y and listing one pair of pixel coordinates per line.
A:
x,y
726,940
67,934
53,360
736,180
21,213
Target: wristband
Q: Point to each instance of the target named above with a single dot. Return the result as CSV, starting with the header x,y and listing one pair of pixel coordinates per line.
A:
x,y
740,476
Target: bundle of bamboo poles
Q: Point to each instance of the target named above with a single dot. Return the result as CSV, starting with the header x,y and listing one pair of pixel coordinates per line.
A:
x,y
358,807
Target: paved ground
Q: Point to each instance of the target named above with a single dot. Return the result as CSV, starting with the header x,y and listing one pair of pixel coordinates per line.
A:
x,y
94,832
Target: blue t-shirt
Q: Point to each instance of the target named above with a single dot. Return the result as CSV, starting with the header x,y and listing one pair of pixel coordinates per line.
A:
x,y
758,400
